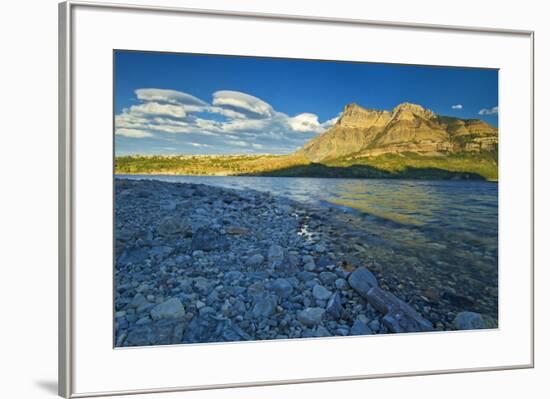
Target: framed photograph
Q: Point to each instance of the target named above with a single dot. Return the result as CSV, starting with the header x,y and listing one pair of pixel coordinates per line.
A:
x,y
253,199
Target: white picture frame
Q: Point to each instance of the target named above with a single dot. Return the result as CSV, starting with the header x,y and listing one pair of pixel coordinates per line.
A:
x,y
88,363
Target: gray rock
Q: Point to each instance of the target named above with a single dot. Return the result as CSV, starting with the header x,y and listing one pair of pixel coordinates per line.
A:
x,y
133,255
334,306
255,260
275,255
311,317
374,325
359,327
163,332
310,266
307,259
341,284
171,225
139,302
161,251
233,276
256,289
306,276
319,248
469,321
171,308
120,314
328,278
321,293
321,331
282,287
325,261
206,239
264,307
201,284
143,320
202,328
362,280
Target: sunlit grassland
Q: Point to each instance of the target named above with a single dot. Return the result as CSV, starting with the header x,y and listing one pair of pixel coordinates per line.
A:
x,y
464,165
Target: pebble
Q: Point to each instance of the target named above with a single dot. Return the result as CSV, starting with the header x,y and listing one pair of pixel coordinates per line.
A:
x,y
321,293
224,265
310,317
171,308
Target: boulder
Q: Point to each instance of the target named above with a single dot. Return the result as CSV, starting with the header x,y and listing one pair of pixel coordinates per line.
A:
x,y
362,280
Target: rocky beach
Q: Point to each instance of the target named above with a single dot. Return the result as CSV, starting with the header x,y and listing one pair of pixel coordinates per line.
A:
x,y
196,263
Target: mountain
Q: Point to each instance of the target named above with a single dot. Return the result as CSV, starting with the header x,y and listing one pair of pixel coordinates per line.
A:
x,y
408,128
408,142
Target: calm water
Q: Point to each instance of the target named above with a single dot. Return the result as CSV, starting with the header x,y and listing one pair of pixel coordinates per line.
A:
x,y
431,235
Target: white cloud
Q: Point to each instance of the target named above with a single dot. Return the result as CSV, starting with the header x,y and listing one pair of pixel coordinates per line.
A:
x,y
305,122
488,111
242,120
245,124
168,96
153,108
132,133
229,113
456,106
242,101
331,122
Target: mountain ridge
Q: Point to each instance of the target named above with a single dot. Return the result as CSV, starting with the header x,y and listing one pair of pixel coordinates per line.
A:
x,y
407,128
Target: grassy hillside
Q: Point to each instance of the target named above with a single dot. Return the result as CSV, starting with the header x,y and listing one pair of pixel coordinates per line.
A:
x,y
482,165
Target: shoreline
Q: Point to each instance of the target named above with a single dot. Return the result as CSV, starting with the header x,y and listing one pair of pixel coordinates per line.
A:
x,y
199,263
115,174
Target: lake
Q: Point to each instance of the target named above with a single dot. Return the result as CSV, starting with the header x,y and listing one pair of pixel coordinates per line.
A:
x,y
439,238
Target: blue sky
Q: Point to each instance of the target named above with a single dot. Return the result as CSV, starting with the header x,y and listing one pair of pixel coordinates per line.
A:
x,y
202,104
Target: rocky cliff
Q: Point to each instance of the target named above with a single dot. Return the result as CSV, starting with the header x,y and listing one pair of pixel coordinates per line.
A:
x,y
407,128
